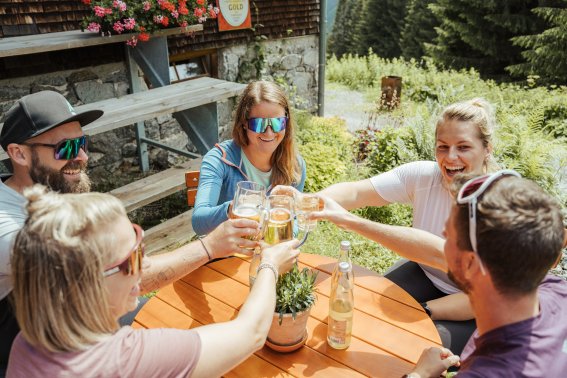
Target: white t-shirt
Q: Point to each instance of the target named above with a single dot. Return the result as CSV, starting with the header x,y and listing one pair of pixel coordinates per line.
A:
x,y
12,218
420,184
158,352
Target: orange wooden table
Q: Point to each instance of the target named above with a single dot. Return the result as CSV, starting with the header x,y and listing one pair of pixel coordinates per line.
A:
x,y
389,329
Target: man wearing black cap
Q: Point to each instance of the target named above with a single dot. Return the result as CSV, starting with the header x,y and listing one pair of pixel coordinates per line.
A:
x,y
44,139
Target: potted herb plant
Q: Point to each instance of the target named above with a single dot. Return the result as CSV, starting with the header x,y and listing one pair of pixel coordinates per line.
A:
x,y
295,295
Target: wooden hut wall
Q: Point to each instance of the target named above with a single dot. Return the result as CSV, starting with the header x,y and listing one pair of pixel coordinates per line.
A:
x,y
278,19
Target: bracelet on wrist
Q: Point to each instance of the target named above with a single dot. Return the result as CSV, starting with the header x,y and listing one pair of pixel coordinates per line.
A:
x,y
268,266
205,247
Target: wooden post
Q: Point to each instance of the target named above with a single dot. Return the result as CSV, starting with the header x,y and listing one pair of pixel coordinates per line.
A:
x,y
391,92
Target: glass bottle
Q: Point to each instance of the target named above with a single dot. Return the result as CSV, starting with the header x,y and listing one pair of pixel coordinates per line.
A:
x,y
344,255
341,306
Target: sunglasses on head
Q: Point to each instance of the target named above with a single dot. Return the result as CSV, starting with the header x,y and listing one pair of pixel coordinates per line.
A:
x,y
469,194
66,149
259,125
133,263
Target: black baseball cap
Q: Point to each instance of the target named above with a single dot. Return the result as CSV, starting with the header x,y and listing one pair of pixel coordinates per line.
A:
x,y
37,113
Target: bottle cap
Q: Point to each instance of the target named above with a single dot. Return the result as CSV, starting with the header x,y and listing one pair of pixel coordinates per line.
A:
x,y
345,244
344,267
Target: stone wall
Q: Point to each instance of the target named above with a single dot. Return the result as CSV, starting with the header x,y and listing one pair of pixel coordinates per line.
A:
x,y
292,62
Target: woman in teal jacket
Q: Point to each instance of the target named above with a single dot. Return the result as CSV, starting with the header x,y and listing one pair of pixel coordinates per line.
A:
x,y
262,149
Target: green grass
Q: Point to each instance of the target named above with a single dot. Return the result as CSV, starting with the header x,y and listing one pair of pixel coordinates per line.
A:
x,y
326,238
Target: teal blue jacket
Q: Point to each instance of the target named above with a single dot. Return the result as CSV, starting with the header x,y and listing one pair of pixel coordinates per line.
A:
x,y
222,168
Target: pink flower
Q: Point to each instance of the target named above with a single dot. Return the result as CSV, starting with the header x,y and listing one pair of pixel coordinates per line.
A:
x,y
119,5
184,24
175,14
202,19
132,41
99,11
129,23
147,6
93,27
118,27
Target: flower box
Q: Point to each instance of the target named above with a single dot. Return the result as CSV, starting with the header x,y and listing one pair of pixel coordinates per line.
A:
x,y
144,18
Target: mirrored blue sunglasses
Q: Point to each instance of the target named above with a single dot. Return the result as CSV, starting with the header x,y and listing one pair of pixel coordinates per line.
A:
x,y
259,125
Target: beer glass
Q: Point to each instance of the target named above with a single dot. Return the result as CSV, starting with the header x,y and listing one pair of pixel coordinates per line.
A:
x,y
280,220
248,203
305,204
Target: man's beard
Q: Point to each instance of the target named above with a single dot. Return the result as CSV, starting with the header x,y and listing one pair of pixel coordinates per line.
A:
x,y
461,283
55,180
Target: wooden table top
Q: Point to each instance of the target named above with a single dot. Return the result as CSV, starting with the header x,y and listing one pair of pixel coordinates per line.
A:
x,y
390,329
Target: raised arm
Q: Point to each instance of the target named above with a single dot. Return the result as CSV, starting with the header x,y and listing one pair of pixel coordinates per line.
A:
x,y
225,345
414,244
353,195
227,239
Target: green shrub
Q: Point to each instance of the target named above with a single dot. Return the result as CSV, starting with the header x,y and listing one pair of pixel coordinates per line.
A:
x,y
324,168
324,143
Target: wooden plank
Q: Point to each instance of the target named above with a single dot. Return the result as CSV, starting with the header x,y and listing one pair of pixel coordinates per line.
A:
x,y
360,356
171,233
152,188
159,101
364,278
38,43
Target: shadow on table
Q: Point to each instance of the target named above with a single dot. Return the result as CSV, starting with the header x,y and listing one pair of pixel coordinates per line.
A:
x,y
202,291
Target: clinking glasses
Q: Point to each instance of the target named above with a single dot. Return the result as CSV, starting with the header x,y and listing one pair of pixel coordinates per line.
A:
x,y
469,194
259,125
133,263
66,149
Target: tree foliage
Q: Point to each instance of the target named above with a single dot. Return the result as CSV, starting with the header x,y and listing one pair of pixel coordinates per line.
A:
x,y
381,27
419,28
344,38
545,53
477,33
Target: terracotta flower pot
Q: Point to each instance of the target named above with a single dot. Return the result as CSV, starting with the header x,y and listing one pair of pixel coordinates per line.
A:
x,y
291,334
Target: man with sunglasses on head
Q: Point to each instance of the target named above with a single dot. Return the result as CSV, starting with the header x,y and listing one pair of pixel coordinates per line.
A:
x,y
44,139
503,235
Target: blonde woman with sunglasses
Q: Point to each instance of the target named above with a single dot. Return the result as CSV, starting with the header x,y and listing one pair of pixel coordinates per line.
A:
x,y
262,150
77,265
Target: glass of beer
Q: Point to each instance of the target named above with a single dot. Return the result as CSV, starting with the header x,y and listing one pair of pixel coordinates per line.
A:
x,y
280,219
248,203
305,205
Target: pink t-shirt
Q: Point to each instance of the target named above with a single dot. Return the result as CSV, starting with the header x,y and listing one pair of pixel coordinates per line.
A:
x,y
127,353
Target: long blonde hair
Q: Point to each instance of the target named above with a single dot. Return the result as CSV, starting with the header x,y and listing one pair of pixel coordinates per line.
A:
x,y
57,268
284,161
480,114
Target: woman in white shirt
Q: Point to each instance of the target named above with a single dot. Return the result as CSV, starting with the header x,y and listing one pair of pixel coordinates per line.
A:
x,y
463,144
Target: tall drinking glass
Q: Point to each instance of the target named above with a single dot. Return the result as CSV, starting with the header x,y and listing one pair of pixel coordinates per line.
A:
x,y
248,203
305,205
280,220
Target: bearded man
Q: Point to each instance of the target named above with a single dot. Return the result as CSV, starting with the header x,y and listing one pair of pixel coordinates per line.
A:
x,y
44,139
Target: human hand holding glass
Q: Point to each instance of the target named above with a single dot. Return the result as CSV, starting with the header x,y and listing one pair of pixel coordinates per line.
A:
x,y
248,203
